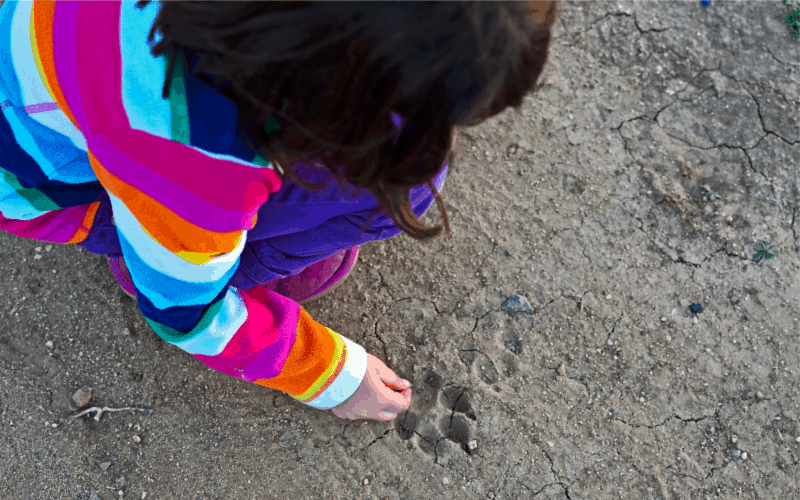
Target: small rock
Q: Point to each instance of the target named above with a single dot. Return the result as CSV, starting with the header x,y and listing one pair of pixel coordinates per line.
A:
x,y
736,453
366,481
517,303
550,444
521,172
734,438
48,248
94,496
490,495
593,433
82,396
474,443
49,343
759,395
562,370
285,436
696,308
105,465
445,480
663,320
798,439
608,297
136,439
744,455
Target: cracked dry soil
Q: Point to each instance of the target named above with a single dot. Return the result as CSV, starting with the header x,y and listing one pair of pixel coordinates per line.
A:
x,y
590,204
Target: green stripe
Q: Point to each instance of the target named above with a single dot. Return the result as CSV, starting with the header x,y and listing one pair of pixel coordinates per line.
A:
x,y
260,160
179,109
33,196
173,336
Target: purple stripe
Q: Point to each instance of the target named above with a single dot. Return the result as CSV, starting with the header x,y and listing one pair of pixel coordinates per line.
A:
x,y
65,53
40,108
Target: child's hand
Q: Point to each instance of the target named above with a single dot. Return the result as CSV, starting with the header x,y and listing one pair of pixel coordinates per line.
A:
x,y
373,399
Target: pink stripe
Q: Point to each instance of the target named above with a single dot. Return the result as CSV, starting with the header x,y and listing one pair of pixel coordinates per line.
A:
x,y
260,348
40,108
182,179
64,51
99,64
58,226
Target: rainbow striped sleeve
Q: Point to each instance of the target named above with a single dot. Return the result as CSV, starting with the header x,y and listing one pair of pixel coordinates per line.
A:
x,y
182,212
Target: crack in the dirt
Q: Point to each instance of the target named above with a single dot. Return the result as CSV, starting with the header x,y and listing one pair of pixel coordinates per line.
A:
x,y
671,417
379,438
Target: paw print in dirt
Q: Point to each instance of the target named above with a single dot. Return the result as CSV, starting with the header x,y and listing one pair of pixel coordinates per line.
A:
x,y
441,421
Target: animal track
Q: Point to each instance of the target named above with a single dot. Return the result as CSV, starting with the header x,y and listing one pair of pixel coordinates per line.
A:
x,y
439,413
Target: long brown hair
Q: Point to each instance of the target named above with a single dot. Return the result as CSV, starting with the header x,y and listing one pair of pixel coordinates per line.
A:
x,y
372,91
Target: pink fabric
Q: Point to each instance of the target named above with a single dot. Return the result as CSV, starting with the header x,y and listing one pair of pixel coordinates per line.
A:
x,y
316,278
178,177
58,226
263,342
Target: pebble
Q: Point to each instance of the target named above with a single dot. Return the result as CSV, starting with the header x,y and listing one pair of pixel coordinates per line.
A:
x,y
285,436
136,439
593,433
744,455
48,248
82,396
798,439
736,453
366,481
49,343
734,438
663,320
760,395
696,308
474,443
517,303
105,465
94,496
521,172
445,480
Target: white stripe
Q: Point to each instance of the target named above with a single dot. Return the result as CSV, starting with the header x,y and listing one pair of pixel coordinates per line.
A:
x,y
355,367
224,326
162,260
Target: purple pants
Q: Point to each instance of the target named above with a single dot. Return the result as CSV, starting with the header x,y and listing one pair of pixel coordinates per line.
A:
x,y
295,227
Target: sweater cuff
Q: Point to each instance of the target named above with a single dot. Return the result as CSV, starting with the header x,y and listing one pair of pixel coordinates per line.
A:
x,y
348,380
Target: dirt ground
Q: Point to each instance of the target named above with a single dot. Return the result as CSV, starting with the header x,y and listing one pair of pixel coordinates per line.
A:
x,y
590,203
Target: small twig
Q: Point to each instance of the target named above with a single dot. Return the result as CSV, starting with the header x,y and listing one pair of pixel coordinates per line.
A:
x,y
104,409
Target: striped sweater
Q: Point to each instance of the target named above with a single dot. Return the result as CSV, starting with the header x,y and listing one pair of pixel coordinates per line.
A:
x,y
83,116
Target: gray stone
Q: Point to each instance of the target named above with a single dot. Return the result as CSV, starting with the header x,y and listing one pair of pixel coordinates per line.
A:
x,y
82,396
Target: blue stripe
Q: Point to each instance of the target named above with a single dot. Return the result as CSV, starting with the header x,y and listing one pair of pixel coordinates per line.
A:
x,y
181,318
142,74
212,340
165,278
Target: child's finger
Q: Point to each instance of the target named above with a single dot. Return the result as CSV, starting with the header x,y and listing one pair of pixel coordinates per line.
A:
x,y
398,402
391,380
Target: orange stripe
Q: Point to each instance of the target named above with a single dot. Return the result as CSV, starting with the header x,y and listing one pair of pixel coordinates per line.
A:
x,y
333,376
42,44
310,356
88,220
173,232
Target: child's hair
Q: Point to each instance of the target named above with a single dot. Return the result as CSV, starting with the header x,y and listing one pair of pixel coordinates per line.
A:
x,y
334,76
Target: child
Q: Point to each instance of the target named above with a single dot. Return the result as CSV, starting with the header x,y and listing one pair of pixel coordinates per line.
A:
x,y
229,158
